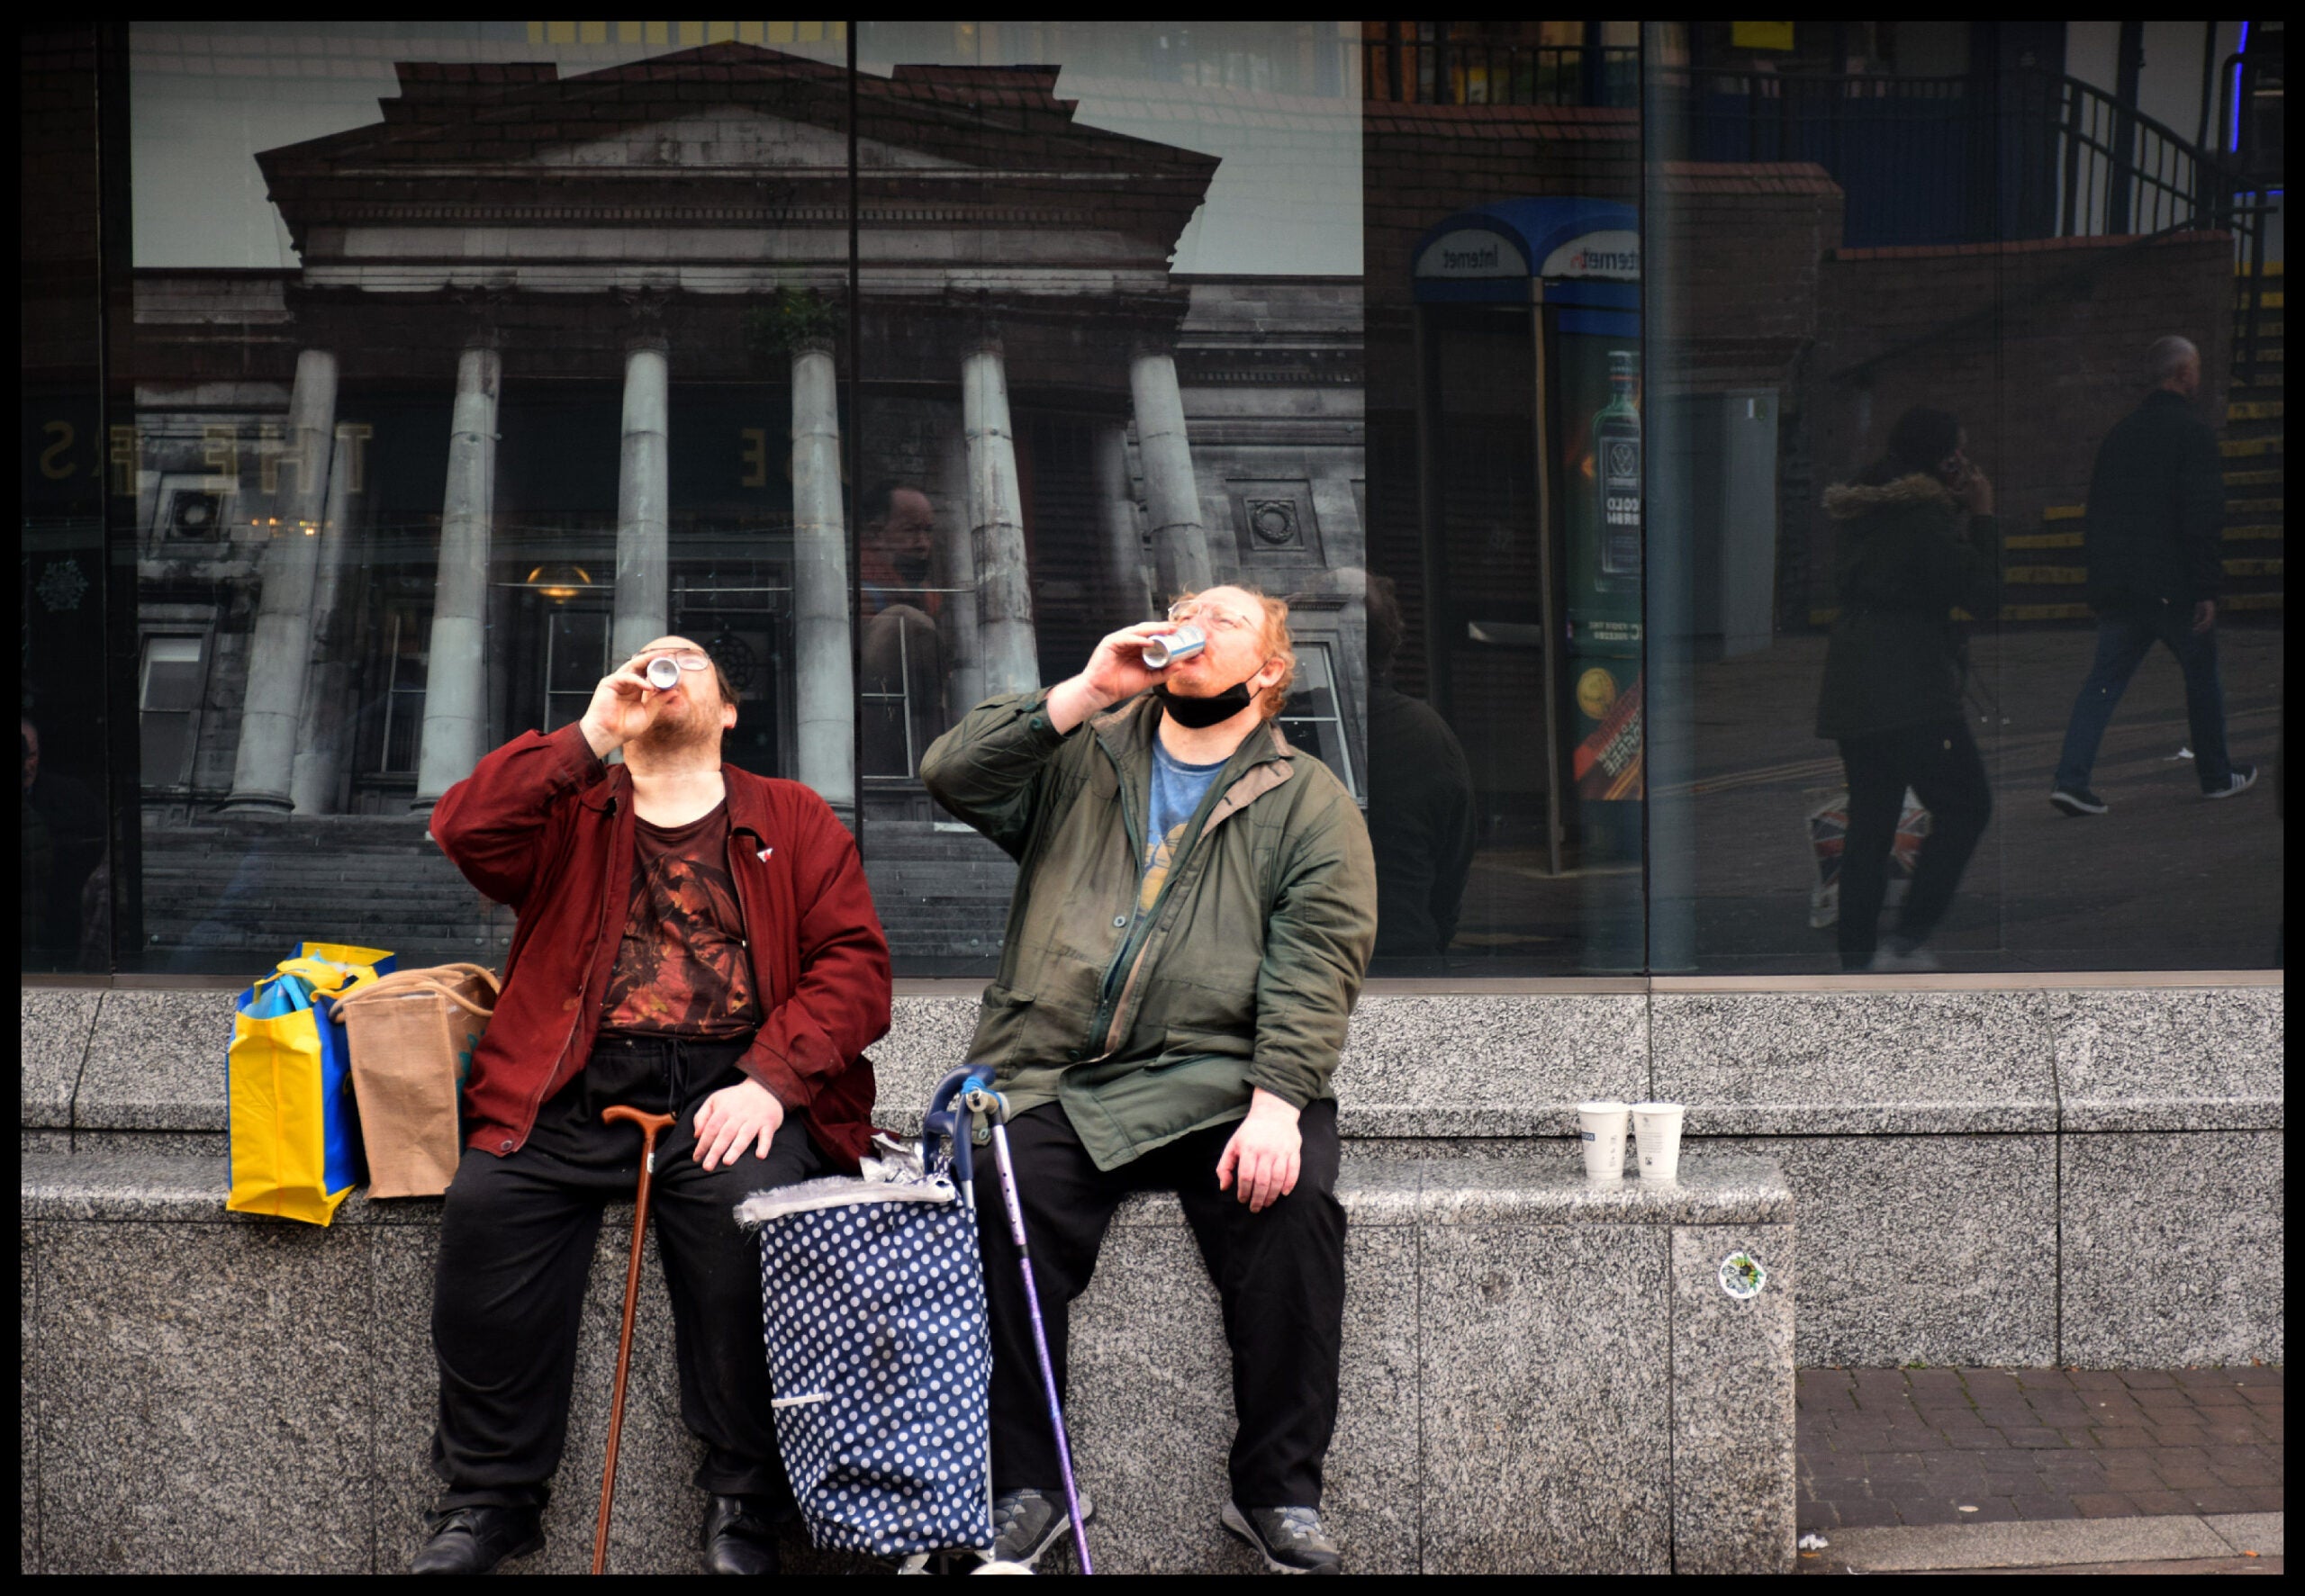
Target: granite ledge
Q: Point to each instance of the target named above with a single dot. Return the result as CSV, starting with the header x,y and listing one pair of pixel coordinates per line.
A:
x,y
1917,1117
1542,1188
161,1188
1431,1122
1549,1188
2099,1115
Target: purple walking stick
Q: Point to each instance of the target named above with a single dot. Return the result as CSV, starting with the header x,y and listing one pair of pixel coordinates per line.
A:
x,y
995,1108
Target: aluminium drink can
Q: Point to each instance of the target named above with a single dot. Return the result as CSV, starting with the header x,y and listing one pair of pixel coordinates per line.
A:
x,y
1167,649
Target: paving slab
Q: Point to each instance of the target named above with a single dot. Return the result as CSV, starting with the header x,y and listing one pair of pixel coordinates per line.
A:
x,y
1955,1445
1914,1548
2261,1533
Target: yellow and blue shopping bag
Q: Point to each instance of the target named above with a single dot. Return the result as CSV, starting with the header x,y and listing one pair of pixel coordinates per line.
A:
x,y
296,1134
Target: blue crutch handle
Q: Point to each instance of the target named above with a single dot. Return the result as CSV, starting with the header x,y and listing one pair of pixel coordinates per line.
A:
x,y
948,1116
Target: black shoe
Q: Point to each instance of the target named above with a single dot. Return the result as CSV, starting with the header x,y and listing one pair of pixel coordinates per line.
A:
x,y
2244,777
1289,1539
739,1537
476,1539
1025,1523
2078,801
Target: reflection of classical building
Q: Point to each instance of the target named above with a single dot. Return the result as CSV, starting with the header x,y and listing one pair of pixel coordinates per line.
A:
x,y
556,375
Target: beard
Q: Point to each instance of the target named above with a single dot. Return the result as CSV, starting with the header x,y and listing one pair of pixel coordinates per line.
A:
x,y
683,733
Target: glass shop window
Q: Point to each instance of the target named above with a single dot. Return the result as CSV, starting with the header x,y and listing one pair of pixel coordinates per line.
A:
x,y
575,658
408,632
1314,719
167,700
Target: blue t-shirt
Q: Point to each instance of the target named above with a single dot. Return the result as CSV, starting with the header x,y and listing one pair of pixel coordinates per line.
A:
x,y
1178,788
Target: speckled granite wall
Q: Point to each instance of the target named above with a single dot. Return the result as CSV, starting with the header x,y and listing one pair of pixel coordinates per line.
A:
x,y
1538,1376
2088,1176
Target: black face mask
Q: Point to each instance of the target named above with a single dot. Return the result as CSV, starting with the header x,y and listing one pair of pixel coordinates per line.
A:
x,y
1202,713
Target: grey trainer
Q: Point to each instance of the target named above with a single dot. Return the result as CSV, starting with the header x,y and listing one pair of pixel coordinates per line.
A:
x,y
1025,1523
1289,1539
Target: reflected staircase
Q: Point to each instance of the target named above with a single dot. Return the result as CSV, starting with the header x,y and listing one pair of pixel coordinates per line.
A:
x,y
234,891
2045,571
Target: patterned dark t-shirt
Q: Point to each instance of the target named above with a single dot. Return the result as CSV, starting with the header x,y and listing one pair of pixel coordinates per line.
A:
x,y
681,968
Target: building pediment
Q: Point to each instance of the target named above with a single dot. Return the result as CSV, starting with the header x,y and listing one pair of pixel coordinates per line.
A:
x,y
731,137
727,136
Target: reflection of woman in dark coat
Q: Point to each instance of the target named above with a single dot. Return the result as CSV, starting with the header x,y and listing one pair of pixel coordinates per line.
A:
x,y
1892,689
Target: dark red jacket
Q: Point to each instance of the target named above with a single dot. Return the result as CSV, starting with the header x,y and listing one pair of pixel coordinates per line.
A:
x,y
545,826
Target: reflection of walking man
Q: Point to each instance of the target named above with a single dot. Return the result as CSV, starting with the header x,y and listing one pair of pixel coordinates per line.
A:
x,y
2157,520
693,940
1195,914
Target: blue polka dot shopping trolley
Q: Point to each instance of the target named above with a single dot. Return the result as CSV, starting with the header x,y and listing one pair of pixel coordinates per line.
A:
x,y
880,1350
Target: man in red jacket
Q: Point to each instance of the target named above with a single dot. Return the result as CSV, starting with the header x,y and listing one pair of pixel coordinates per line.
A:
x,y
691,940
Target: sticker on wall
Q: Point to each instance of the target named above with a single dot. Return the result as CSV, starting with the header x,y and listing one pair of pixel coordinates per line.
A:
x,y
1742,1277
62,586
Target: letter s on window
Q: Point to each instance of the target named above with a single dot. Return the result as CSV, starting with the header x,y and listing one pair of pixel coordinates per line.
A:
x,y
53,465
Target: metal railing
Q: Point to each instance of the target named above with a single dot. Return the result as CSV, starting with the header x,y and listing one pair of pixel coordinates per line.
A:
x,y
1418,64
2250,116
1987,157
1927,160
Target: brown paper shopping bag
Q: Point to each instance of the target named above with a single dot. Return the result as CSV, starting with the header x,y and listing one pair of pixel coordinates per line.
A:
x,y
411,1036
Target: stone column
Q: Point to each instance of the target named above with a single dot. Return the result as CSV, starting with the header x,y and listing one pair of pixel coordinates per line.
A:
x,y
322,743
643,501
956,559
1124,549
823,661
1171,491
1009,653
263,770
456,704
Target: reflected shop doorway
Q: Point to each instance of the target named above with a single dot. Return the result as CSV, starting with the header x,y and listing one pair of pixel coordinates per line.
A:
x,y
729,568
1529,470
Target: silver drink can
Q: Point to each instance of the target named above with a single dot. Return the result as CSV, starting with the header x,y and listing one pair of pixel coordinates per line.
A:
x,y
1166,650
663,674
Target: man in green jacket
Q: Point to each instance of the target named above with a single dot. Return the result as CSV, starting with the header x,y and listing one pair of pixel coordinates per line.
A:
x,y
1194,911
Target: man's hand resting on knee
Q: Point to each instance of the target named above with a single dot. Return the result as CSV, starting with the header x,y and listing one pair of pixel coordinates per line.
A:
x,y
748,1114
1265,1154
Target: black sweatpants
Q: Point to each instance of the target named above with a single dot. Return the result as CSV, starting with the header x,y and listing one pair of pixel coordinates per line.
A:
x,y
516,1236
1940,763
1279,1274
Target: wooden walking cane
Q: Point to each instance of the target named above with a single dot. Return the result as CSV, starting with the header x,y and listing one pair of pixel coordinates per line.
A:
x,y
649,1124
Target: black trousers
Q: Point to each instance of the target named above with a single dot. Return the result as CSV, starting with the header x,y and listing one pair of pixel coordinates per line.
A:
x,y
1941,764
517,1235
1279,1274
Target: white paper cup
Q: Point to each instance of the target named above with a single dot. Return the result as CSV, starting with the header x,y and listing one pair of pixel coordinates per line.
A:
x,y
1657,1132
1600,1128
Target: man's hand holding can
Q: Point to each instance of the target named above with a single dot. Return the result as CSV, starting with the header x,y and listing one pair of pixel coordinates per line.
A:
x,y
623,707
1117,670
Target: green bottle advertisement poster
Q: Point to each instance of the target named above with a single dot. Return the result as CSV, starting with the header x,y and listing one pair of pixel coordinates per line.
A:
x,y
1601,479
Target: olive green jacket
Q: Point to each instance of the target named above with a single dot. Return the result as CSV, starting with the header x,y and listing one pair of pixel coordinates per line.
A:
x,y
1243,972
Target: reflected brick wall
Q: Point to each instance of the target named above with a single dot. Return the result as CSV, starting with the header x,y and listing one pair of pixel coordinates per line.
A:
x,y
1737,267
2040,383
